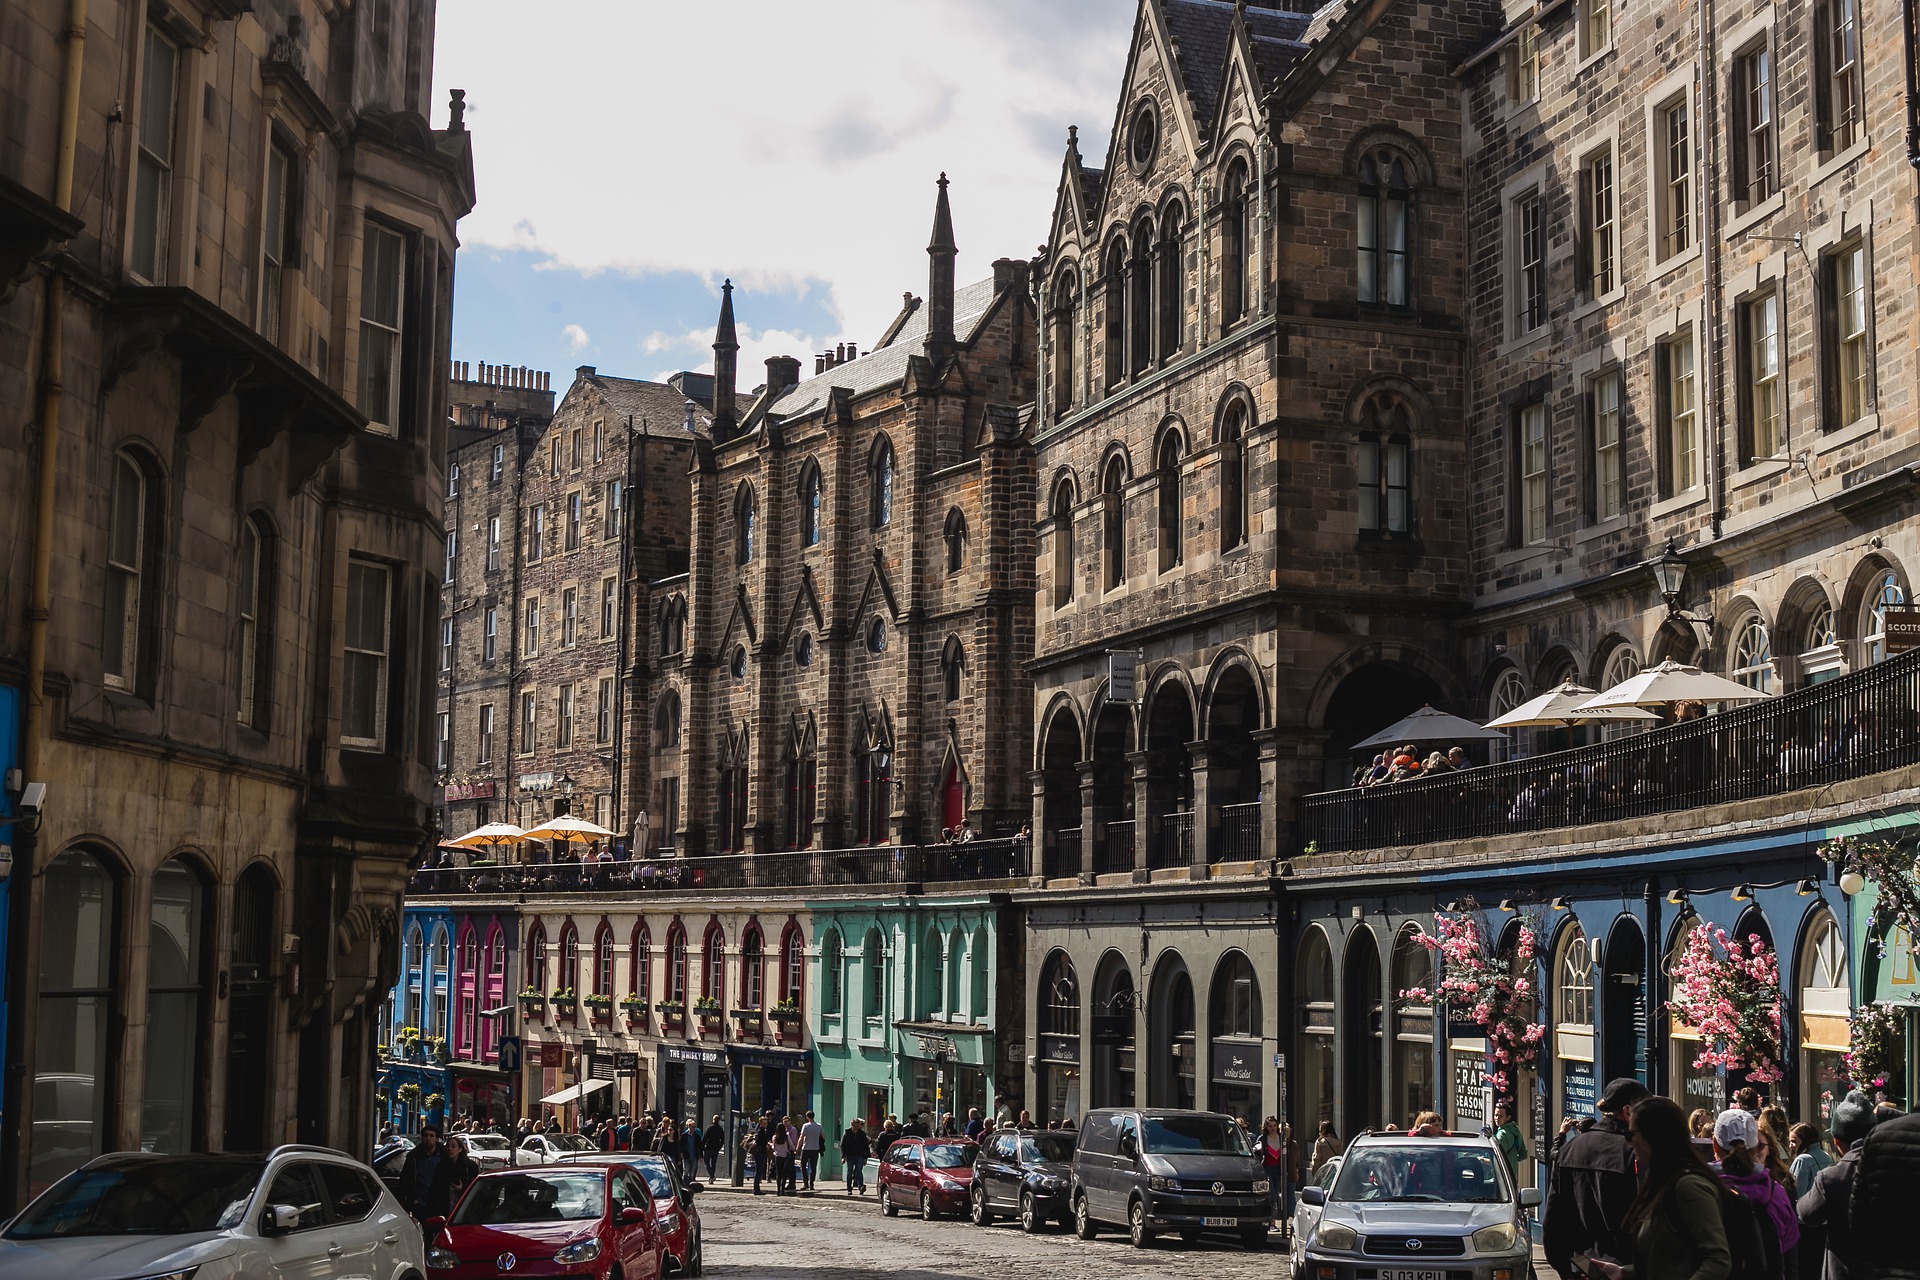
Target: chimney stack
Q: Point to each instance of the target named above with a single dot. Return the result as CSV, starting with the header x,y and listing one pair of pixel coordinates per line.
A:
x,y
782,372
726,358
940,255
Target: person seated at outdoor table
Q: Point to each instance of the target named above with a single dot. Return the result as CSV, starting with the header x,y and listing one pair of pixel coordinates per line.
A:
x,y
1375,774
1405,765
1436,763
1795,758
963,834
1526,805
1457,757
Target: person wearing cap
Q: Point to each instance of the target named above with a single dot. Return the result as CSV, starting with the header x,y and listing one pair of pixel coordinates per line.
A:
x,y
1823,1211
1736,1147
1594,1185
1885,1190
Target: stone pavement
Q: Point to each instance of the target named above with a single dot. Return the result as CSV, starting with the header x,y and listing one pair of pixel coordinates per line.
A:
x,y
830,1236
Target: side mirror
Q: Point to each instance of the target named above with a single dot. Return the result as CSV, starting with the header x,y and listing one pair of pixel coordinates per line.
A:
x,y
282,1218
1529,1197
1129,1146
692,1189
1315,1196
629,1216
431,1227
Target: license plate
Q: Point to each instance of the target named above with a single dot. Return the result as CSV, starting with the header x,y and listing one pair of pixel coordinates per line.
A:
x,y
1400,1273
1234,1222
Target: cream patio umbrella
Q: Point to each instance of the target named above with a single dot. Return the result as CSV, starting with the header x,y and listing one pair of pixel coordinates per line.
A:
x,y
494,833
569,828
1563,707
1672,682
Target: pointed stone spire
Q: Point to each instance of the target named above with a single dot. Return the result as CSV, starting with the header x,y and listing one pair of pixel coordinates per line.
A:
x,y
726,362
941,254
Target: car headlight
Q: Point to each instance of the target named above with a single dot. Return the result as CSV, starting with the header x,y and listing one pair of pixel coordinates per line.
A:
x,y
669,1222
439,1259
1260,1186
1332,1235
1161,1184
585,1251
1498,1238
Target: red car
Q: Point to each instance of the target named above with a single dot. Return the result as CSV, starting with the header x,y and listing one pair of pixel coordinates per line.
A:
x,y
936,1174
673,1207
575,1220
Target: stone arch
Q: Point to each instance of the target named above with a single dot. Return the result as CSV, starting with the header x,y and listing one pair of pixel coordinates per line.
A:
x,y
1392,652
1115,997
1410,148
1230,659
1064,480
1114,449
1237,393
1363,393
1558,660
1175,426
1172,1033
1361,1032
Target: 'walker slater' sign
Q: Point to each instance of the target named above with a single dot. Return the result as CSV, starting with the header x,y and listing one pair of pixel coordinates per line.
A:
x,y
1235,1065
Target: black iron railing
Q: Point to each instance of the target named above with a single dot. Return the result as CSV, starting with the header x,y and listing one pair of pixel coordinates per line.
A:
x,y
1063,859
1116,849
1239,833
912,864
1173,842
1845,728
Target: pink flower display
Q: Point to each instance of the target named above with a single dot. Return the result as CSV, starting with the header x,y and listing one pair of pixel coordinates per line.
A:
x,y
1493,992
1729,992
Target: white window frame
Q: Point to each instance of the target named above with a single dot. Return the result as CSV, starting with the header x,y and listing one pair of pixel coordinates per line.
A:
x,y
1763,387
491,636
278,233
563,739
493,543
1670,142
446,644
532,626
253,566
1606,391
486,734
1532,447
1598,227
383,413
603,722
609,611
149,243
1595,19
529,722
377,659
1679,415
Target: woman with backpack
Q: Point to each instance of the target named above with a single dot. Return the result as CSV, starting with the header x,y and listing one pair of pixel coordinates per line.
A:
x,y
1742,1166
1674,1221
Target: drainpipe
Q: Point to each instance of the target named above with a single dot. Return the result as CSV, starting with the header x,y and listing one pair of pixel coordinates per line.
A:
x,y
1708,202
1650,960
1912,39
23,974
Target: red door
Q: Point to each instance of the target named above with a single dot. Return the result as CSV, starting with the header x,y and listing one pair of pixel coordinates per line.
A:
x,y
953,800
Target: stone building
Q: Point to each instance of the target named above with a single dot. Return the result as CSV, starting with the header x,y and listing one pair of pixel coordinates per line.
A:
x,y
1249,433
844,665
225,340
558,518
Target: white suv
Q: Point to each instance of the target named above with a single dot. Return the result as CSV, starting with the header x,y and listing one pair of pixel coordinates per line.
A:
x,y
300,1212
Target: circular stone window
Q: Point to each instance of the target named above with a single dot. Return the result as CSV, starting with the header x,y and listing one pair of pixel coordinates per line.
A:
x,y
803,650
1143,136
877,635
739,663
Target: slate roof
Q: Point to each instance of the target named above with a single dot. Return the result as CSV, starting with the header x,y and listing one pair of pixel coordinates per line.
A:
x,y
884,366
1203,28
663,409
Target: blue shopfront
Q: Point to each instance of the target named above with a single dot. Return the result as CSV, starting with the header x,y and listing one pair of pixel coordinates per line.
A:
x,y
776,1080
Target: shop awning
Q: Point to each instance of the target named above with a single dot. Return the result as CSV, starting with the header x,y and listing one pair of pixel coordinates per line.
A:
x,y
574,1092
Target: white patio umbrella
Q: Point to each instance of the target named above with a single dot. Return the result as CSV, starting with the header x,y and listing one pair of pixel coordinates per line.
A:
x,y
1428,725
1564,706
1672,682
568,827
493,833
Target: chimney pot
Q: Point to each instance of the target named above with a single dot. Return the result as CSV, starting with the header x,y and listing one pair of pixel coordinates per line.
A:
x,y
782,372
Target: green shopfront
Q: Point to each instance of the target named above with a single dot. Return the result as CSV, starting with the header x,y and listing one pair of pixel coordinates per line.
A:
x,y
908,999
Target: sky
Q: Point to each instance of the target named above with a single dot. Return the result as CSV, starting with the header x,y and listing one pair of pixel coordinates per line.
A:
x,y
632,154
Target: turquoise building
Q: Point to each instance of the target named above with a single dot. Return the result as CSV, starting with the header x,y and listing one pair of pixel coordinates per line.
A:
x,y
907,1014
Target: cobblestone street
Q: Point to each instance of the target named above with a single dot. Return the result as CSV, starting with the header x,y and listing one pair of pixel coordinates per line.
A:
x,y
829,1237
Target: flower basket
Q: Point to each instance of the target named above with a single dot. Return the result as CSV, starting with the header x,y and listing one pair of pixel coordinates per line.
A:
x,y
671,1010
1729,992
1491,991
750,1021
408,1092
600,1007
1874,1045
532,1002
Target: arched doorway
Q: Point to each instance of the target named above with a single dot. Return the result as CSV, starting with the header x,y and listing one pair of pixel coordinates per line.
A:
x,y
1170,1039
1058,1003
1826,1005
1234,1033
1361,1011
177,962
1169,778
250,1009
953,799
1575,1084
1316,1082
1413,1087
1623,1002
1233,767
1060,797
1367,701
1114,832
1113,1033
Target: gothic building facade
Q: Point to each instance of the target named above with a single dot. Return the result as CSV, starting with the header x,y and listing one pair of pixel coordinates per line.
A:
x,y
843,664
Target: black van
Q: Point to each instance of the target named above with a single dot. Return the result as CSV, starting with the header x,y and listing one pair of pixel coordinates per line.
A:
x,y
1154,1170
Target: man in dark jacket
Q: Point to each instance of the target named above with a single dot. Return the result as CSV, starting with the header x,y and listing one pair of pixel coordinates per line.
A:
x,y
855,1147
712,1142
1594,1184
1823,1210
1885,1190
426,1177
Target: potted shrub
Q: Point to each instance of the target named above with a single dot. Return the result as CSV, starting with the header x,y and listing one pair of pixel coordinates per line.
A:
x,y
671,1010
707,1009
564,1002
531,1001
437,1049
786,1018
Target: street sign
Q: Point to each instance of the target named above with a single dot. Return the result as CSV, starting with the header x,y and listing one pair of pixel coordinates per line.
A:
x,y
509,1053
1123,666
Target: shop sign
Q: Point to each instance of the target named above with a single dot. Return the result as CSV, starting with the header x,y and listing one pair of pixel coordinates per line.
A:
x,y
468,791
552,1053
1112,1028
938,1047
1539,1120
712,1085
1469,1091
1060,1048
623,1060
1233,1065
537,781
687,1053
1902,629
1317,1018
599,1067
1579,1089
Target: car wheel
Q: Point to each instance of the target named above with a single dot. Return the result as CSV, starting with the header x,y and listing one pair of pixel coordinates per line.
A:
x,y
1030,1219
1083,1224
926,1207
1138,1232
699,1259
982,1216
886,1203
1253,1237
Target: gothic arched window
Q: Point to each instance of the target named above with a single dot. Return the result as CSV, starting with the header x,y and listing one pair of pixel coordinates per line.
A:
x,y
1113,531
1384,228
1167,484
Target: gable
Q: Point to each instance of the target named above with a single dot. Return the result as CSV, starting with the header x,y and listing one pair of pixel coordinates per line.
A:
x,y
877,591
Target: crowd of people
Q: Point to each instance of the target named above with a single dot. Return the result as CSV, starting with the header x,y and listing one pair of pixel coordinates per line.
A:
x,y
1405,764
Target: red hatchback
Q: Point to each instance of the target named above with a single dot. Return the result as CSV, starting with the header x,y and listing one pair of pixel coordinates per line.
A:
x,y
933,1174
556,1220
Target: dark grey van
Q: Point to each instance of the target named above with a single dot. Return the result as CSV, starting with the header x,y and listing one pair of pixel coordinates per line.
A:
x,y
1162,1169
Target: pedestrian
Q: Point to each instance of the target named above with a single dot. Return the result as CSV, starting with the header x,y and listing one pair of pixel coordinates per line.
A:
x,y
890,1133
1824,1227
947,1128
1748,1100
1593,1187
1740,1164
426,1177
1809,1157
976,1124
1672,1229
1025,1121
1507,1136
1326,1145
386,1135
462,1170
1885,1189
855,1147
916,1126
758,1145
1271,1149
690,1144
782,1158
712,1142
623,1135
813,1143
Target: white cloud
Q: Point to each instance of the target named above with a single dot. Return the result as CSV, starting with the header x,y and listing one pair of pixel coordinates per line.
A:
x,y
695,351
576,337
822,177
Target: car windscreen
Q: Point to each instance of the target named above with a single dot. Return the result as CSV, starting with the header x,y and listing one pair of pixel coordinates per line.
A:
x,y
531,1197
486,1142
573,1142
1414,1171
1057,1147
1194,1136
157,1198
659,1181
949,1155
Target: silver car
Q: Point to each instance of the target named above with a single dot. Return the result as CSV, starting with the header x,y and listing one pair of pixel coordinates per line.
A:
x,y
1410,1208
1306,1213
